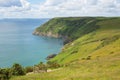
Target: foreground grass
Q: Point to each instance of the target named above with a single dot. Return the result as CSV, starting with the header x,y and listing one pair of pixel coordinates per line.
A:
x,y
107,68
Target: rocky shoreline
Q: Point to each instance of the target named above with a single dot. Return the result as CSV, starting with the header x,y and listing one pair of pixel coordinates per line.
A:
x,y
50,34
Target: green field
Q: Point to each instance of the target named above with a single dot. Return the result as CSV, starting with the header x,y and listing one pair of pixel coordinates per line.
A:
x,y
92,51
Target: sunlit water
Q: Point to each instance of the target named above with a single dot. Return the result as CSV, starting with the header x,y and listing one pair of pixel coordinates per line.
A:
x,y
18,45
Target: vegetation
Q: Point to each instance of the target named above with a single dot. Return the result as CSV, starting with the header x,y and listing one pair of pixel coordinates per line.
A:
x,y
41,67
15,70
53,65
92,51
98,69
71,28
5,74
29,69
100,42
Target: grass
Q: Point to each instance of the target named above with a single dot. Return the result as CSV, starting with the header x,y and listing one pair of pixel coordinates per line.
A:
x,y
99,42
106,68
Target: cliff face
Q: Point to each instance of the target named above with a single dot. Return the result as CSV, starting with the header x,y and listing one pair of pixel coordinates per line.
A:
x,y
48,34
54,35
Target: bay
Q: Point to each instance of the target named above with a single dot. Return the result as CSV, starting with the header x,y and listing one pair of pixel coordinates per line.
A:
x,y
18,45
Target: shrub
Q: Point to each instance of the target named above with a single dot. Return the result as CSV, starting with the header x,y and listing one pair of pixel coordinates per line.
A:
x,y
88,58
42,66
28,69
5,74
73,52
52,64
111,52
17,70
83,58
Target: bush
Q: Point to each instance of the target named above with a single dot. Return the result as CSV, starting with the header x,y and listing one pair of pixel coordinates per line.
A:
x,y
83,58
88,58
42,66
28,69
52,64
17,70
5,74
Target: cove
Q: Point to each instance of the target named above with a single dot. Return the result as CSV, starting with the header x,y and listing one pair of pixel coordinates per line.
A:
x,y
18,45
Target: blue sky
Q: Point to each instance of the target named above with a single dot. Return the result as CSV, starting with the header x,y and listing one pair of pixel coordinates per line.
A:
x,y
58,8
36,1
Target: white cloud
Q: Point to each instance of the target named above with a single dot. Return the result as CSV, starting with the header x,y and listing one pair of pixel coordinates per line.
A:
x,y
25,4
53,2
82,7
53,8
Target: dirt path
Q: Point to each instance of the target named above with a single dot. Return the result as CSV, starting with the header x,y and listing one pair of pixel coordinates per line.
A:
x,y
49,70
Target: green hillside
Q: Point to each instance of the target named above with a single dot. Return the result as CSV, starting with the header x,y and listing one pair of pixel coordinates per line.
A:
x,y
68,28
92,51
101,42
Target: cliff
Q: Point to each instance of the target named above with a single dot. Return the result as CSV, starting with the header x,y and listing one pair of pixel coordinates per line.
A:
x,y
68,28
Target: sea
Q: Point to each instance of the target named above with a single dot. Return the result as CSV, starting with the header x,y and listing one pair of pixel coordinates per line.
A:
x,y
19,45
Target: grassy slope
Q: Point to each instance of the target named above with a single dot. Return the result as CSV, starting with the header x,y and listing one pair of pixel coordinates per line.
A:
x,y
71,28
95,44
103,47
102,69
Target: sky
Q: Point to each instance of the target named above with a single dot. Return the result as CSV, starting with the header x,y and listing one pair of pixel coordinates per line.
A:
x,y
58,8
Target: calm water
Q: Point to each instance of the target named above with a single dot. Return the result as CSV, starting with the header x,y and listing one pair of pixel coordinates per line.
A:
x,y
18,45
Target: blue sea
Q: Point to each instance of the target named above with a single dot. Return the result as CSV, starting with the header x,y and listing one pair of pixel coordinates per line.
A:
x,y
18,45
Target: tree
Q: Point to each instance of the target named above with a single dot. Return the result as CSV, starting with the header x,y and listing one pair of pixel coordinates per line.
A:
x,y
17,70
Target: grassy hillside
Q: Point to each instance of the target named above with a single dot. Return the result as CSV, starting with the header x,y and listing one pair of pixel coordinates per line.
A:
x,y
107,68
68,28
98,43
93,52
